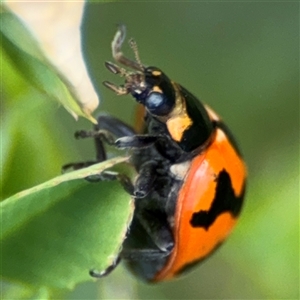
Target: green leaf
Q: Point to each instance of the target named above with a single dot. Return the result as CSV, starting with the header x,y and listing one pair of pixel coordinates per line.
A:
x,y
15,291
54,233
28,59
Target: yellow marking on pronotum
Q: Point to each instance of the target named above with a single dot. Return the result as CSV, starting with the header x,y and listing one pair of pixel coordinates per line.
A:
x,y
157,89
156,73
177,125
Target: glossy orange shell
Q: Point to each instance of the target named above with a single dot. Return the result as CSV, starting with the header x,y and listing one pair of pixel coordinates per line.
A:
x,y
197,193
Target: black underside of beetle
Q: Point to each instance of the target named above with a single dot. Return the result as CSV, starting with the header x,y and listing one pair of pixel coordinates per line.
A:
x,y
160,203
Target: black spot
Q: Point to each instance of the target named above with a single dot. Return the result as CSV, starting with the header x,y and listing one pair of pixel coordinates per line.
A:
x,y
225,201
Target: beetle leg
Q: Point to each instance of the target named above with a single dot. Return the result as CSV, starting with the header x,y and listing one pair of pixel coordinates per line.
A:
x,y
100,136
115,69
106,128
137,141
149,238
145,179
110,176
119,90
146,254
104,135
114,126
155,224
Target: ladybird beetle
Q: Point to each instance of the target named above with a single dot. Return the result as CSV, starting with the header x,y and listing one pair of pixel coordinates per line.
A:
x,y
191,177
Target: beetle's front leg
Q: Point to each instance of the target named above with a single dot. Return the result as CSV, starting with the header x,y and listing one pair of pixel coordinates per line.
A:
x,y
105,131
137,141
111,176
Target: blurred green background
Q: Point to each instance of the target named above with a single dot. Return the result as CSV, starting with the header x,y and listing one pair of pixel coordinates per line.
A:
x,y
241,58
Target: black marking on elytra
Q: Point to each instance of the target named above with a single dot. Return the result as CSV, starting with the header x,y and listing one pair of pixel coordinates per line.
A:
x,y
225,201
189,266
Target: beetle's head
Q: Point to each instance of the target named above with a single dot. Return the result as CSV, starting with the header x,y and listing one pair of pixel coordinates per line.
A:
x,y
148,85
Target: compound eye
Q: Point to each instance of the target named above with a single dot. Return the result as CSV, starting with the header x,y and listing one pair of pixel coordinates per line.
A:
x,y
157,104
